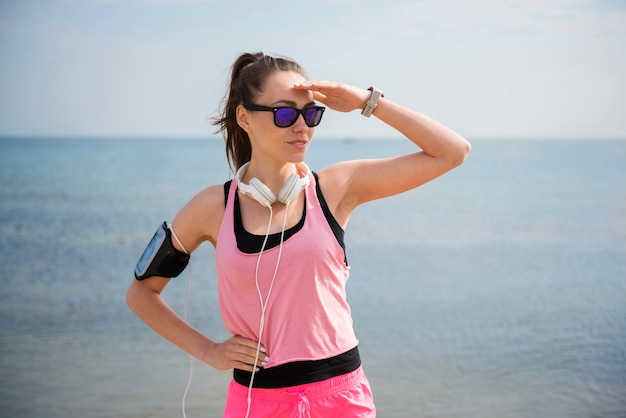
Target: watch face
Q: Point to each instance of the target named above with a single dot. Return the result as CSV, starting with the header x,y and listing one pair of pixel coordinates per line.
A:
x,y
150,251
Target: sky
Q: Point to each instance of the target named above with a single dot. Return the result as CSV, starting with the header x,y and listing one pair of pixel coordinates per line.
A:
x,y
489,69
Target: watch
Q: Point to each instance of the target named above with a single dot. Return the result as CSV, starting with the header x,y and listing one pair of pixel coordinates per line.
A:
x,y
372,102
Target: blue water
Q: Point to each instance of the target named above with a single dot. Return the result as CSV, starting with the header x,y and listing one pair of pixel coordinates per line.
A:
x,y
498,290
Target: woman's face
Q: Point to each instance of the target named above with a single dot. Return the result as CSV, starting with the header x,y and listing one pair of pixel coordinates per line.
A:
x,y
284,145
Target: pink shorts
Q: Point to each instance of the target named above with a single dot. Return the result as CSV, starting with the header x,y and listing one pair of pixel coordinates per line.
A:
x,y
348,395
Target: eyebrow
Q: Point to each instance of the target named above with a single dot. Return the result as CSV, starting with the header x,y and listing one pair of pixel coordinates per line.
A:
x,y
291,103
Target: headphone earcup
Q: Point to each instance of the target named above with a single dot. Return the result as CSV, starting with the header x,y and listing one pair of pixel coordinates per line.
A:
x,y
290,190
260,192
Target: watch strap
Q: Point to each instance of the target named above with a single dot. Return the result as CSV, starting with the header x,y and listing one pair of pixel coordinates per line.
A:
x,y
372,102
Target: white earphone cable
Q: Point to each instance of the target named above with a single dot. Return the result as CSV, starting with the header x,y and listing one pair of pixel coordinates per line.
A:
x,y
186,308
187,301
267,298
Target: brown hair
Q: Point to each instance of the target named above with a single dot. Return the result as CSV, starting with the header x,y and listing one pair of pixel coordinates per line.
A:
x,y
247,81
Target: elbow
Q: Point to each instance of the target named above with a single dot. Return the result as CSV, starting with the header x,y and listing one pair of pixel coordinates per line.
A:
x,y
466,149
132,296
461,152
141,294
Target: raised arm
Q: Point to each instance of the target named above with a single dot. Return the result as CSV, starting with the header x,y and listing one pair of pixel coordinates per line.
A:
x,y
352,183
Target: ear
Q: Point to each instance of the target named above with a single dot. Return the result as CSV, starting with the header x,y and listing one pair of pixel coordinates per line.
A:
x,y
242,118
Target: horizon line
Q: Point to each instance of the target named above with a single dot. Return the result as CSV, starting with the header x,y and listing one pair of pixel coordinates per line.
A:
x,y
122,137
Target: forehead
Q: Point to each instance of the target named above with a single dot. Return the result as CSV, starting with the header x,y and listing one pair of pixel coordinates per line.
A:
x,y
279,86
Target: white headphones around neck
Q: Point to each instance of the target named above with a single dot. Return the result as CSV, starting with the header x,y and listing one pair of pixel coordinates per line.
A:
x,y
262,194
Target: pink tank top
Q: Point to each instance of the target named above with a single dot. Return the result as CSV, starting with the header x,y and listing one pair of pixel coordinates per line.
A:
x,y
307,316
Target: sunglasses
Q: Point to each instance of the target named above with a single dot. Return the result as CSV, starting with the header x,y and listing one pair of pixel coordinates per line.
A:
x,y
285,116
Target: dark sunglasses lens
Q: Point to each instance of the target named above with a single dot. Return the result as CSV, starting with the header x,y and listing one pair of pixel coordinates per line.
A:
x,y
313,116
285,116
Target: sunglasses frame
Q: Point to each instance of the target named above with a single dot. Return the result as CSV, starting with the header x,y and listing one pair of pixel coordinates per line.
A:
x,y
260,108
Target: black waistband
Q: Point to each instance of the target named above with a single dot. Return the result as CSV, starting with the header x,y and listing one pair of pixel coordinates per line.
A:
x,y
301,372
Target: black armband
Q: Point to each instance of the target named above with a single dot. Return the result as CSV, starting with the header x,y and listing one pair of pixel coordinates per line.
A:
x,y
160,258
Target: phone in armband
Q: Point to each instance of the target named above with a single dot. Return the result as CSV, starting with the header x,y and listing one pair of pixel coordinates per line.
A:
x,y
161,258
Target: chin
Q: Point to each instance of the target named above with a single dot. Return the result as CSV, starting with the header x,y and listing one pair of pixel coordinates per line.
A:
x,y
298,159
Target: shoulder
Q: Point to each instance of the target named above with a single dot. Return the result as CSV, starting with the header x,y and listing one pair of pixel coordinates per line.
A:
x,y
334,182
210,199
200,219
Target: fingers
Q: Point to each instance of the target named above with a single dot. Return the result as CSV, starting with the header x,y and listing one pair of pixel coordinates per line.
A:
x,y
319,96
240,353
244,353
337,96
313,85
325,88
249,352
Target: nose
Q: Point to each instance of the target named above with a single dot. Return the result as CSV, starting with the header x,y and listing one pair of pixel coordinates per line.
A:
x,y
300,124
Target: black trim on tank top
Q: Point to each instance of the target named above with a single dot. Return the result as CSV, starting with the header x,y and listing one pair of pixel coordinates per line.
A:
x,y
251,243
332,222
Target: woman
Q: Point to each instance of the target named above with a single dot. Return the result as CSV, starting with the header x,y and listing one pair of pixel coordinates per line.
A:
x,y
278,233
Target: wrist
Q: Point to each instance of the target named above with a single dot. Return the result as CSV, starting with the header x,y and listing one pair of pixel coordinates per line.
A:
x,y
208,354
372,102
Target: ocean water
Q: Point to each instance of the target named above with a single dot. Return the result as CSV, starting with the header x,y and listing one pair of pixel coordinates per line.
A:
x,y
497,290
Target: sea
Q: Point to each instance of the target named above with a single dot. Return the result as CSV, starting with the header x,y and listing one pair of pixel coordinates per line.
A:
x,y
496,290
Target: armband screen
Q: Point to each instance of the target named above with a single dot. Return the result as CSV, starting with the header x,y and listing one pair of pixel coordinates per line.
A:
x,y
160,258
